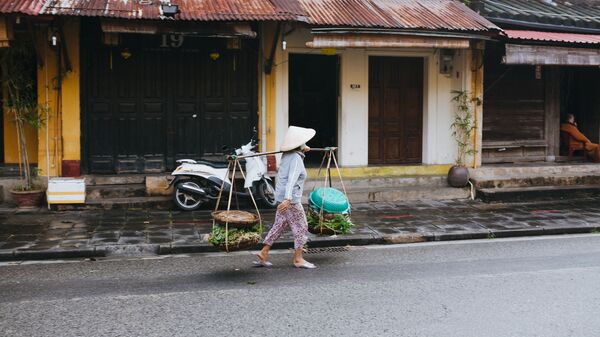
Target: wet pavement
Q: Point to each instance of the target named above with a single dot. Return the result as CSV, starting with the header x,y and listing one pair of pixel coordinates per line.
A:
x,y
39,234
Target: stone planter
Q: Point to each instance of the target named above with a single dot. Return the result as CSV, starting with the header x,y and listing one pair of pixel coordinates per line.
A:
x,y
31,198
458,176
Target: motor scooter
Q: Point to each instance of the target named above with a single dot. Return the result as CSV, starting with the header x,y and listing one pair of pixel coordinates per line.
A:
x,y
198,182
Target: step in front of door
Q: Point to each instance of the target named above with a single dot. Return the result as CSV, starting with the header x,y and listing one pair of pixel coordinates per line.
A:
x,y
534,193
162,203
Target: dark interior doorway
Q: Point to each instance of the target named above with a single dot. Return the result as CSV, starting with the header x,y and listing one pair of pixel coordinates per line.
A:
x,y
313,98
2,133
579,96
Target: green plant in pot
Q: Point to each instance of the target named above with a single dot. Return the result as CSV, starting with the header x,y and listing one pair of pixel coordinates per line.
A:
x,y
18,65
462,127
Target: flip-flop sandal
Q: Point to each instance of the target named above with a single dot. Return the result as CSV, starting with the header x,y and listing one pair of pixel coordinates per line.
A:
x,y
305,265
261,263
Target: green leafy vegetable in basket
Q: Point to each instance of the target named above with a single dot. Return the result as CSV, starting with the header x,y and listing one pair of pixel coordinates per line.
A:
x,y
236,235
338,223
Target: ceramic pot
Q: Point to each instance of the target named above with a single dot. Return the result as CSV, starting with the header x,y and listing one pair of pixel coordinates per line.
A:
x,y
458,176
31,198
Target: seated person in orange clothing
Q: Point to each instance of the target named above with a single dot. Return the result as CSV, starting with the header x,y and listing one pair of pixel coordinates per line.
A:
x,y
570,127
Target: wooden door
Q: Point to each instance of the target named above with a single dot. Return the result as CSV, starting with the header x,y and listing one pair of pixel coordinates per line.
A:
x,y
146,105
395,110
187,109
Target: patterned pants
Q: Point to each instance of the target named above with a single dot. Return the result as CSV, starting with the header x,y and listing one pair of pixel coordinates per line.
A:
x,y
293,216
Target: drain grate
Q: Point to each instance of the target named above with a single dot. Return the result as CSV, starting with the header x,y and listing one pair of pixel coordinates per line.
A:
x,y
327,250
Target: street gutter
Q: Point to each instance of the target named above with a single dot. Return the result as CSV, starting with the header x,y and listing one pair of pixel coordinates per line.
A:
x,y
140,250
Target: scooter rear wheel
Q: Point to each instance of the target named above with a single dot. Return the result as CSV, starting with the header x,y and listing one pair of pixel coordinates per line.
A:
x,y
185,200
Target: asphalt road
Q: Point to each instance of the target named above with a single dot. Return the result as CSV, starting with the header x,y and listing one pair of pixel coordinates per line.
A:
x,y
546,286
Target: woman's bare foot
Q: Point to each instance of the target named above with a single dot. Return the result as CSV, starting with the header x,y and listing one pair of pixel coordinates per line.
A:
x,y
263,256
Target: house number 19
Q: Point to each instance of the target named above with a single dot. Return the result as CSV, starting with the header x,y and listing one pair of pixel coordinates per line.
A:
x,y
171,40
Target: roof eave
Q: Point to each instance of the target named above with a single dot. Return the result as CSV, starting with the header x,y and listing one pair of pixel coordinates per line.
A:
x,y
468,34
544,26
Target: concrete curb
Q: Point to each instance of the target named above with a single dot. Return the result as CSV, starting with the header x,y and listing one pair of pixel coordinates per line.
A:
x,y
50,254
319,242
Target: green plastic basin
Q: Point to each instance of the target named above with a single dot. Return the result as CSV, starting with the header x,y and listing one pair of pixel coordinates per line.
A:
x,y
333,200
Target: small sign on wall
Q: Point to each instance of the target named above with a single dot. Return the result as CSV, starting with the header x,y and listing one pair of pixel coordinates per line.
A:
x,y
354,86
538,72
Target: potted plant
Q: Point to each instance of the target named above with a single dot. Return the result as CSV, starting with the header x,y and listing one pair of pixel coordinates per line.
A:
x,y
462,127
18,80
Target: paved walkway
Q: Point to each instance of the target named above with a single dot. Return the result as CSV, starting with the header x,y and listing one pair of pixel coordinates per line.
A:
x,y
41,234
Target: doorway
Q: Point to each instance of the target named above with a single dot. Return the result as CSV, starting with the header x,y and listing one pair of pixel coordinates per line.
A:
x,y
395,110
2,132
313,98
579,97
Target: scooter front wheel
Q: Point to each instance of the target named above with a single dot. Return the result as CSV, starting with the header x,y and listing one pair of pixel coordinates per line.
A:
x,y
186,200
266,193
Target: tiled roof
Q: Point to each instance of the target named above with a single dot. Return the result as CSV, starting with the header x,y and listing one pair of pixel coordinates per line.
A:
x,y
571,13
435,15
193,10
29,7
449,15
570,38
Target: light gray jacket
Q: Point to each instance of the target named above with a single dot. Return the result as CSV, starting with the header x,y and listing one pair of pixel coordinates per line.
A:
x,y
290,177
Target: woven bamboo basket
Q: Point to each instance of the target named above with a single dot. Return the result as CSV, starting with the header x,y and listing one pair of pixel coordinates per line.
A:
x,y
237,219
241,245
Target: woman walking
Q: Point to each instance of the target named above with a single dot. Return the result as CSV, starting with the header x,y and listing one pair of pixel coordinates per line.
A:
x,y
288,193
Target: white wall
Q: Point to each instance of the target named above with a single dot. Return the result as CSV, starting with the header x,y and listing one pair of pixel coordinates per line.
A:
x,y
354,118
438,145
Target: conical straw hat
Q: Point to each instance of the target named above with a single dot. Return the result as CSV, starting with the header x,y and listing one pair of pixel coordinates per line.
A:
x,y
295,137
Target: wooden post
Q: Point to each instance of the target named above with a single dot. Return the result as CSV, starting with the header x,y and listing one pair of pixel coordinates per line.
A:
x,y
552,112
6,32
477,94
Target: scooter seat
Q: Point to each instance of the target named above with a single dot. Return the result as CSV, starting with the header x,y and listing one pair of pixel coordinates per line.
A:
x,y
214,164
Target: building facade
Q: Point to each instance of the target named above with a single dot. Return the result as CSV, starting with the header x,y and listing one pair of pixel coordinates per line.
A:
x,y
130,88
544,66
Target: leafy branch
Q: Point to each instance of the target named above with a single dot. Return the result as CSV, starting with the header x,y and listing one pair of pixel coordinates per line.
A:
x,y
18,78
338,223
463,125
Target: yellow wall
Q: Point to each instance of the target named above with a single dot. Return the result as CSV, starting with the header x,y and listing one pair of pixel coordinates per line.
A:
x,y
63,121
477,54
271,90
11,148
11,154
64,130
71,95
384,171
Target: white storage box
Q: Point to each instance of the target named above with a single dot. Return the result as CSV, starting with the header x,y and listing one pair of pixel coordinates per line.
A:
x,y
66,191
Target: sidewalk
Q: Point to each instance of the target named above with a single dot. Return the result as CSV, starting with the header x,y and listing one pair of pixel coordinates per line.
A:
x,y
41,234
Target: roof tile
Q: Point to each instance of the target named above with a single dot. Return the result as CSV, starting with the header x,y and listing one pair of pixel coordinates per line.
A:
x,y
572,13
438,15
